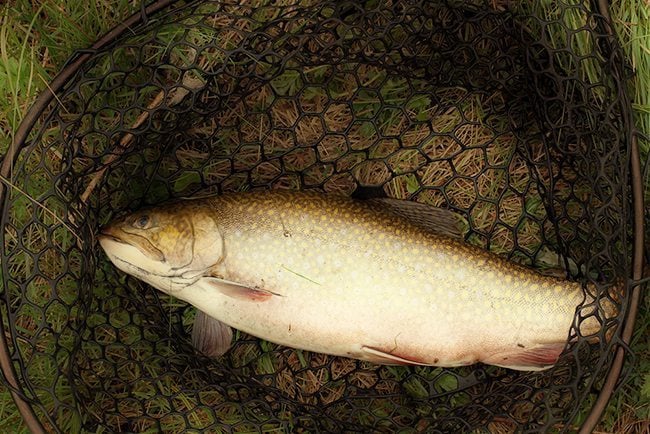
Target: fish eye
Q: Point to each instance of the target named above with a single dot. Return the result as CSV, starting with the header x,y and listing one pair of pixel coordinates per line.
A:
x,y
142,222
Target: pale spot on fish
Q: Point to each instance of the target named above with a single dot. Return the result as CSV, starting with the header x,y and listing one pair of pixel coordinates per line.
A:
x,y
439,257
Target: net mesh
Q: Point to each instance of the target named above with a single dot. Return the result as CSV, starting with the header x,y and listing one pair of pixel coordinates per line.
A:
x,y
514,118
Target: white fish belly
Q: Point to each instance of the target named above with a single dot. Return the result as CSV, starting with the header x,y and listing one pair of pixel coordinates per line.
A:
x,y
423,304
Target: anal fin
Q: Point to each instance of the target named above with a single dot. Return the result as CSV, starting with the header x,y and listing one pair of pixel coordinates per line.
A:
x,y
380,357
210,336
536,358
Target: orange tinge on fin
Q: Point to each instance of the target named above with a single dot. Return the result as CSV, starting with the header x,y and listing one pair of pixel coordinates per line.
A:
x,y
238,291
535,358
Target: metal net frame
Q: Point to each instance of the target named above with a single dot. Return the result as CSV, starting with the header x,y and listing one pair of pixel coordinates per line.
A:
x,y
518,120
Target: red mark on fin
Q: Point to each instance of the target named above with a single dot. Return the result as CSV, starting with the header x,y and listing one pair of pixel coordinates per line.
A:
x,y
535,358
238,291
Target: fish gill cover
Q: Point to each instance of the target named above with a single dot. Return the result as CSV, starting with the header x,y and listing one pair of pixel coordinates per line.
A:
x,y
515,119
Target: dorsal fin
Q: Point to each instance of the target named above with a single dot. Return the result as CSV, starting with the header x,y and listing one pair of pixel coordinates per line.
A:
x,y
437,220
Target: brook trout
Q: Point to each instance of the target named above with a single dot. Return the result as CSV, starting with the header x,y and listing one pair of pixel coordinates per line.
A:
x,y
377,280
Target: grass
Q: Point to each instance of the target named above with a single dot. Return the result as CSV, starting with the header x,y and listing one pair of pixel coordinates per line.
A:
x,y
32,50
37,37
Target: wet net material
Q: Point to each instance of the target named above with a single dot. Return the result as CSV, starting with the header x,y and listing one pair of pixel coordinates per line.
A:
x,y
516,119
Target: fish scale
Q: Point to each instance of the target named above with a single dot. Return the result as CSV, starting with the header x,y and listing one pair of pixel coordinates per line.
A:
x,y
340,276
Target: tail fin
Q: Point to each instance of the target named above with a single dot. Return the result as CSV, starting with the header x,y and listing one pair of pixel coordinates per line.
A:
x,y
598,311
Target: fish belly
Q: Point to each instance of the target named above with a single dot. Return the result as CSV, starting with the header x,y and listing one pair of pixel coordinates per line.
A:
x,y
385,298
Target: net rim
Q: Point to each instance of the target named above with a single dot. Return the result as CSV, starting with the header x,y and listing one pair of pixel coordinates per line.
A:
x,y
74,63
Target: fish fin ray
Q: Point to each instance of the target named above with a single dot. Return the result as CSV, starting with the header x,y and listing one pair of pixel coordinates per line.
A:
x,y
237,290
536,358
383,358
210,336
437,220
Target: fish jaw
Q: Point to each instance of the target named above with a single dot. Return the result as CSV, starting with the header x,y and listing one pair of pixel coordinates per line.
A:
x,y
116,233
125,256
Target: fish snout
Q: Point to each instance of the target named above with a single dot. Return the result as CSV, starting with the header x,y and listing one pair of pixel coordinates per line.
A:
x,y
109,232
113,239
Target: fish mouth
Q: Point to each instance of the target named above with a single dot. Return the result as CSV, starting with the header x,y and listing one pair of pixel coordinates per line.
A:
x,y
108,236
172,285
109,232
143,244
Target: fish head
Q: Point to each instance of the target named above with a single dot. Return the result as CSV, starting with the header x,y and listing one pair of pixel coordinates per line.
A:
x,y
168,247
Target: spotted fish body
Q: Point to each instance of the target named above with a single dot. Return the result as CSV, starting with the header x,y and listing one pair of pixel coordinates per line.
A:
x,y
331,274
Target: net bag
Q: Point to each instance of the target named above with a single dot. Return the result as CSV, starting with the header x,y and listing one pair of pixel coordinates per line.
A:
x,y
515,117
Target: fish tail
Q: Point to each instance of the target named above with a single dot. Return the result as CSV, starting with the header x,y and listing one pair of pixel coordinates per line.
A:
x,y
599,312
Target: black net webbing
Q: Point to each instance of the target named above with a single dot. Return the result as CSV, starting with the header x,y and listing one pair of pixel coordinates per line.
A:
x,y
515,118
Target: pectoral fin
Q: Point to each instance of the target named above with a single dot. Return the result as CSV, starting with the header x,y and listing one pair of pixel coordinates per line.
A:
x,y
210,336
236,290
536,358
375,355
